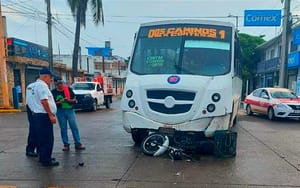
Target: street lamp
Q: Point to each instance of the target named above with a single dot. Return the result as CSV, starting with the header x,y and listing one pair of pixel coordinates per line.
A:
x,y
236,21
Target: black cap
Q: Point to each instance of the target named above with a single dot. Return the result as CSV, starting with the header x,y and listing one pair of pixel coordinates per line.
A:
x,y
58,80
45,70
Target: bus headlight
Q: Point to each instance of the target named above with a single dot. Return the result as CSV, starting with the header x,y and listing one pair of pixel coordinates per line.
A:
x,y
211,107
216,97
131,103
129,93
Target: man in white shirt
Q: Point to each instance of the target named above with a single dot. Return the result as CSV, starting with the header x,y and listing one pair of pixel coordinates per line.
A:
x,y
40,101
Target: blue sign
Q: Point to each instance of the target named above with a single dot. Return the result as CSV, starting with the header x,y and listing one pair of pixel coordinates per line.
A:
x,y
262,17
98,51
18,47
298,86
296,36
293,60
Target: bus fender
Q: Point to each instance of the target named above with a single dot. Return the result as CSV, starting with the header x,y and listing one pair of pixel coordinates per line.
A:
x,y
217,123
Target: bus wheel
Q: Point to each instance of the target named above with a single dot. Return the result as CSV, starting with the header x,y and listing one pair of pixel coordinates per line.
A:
x,y
248,110
138,135
271,114
151,144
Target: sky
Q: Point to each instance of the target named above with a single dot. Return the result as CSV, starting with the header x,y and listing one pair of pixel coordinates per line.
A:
x,y
26,20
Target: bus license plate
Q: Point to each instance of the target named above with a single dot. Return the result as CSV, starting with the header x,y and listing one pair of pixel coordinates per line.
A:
x,y
166,130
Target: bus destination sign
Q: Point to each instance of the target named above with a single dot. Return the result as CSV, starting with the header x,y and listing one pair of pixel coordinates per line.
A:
x,y
187,31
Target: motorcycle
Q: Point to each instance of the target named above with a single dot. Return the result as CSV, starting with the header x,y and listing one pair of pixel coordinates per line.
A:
x,y
156,144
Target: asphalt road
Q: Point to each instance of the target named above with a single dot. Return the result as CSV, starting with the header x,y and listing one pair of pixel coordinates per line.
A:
x,y
268,155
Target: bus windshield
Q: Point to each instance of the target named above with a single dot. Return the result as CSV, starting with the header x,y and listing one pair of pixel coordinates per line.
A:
x,y
181,55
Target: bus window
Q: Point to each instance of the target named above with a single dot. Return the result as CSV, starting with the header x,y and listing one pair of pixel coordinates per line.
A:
x,y
159,56
206,58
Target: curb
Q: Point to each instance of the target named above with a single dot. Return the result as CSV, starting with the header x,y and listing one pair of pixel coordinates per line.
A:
x,y
10,110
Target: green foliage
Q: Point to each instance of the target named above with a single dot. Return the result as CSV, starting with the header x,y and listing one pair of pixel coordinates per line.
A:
x,y
78,9
248,44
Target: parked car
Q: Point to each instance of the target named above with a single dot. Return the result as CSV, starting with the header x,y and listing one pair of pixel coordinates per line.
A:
x,y
89,95
274,102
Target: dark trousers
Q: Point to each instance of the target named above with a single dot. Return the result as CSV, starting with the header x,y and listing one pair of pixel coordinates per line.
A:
x,y
44,130
32,136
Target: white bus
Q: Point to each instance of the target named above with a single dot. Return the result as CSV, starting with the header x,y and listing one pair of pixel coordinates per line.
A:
x,y
183,80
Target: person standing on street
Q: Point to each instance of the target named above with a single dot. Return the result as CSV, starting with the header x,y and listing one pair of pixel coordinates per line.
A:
x,y
65,98
32,143
43,107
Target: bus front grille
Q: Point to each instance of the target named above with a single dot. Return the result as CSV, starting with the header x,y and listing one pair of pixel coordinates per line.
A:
x,y
160,95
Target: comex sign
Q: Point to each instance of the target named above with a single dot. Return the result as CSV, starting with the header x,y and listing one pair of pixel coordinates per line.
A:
x,y
262,18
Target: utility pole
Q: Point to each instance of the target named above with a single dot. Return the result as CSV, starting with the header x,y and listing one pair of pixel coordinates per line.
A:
x,y
103,62
4,97
80,61
49,22
284,44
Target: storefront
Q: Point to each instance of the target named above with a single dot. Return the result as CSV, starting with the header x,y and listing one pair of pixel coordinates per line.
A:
x,y
293,72
23,63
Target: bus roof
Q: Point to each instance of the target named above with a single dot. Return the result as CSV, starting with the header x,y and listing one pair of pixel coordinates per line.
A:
x,y
188,21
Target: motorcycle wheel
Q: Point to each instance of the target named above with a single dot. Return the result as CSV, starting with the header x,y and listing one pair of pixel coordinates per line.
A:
x,y
151,143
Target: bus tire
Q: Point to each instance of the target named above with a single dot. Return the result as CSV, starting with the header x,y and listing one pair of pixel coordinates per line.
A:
x,y
151,143
138,135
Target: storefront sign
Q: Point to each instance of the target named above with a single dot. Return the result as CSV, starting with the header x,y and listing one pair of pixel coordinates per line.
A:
x,y
296,36
18,47
298,86
262,17
293,59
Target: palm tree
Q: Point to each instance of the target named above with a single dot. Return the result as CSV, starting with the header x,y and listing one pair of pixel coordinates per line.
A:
x,y
79,8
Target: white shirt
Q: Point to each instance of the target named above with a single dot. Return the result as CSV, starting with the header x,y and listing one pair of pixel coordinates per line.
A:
x,y
29,93
37,91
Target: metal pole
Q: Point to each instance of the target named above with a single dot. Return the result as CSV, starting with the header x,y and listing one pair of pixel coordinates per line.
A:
x,y
103,64
87,64
49,22
119,67
284,45
236,21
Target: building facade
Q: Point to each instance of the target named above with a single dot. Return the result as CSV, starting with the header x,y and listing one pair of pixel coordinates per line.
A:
x,y
23,62
268,66
114,66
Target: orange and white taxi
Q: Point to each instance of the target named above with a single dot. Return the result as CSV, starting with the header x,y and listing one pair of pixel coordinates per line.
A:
x,y
274,102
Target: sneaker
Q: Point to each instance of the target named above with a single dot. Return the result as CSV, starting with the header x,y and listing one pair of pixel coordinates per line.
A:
x,y
31,154
52,163
66,147
79,147
52,159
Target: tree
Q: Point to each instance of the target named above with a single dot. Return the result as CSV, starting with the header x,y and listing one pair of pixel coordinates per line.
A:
x,y
79,8
248,44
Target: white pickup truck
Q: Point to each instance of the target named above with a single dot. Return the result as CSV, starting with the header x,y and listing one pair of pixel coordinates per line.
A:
x,y
90,96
